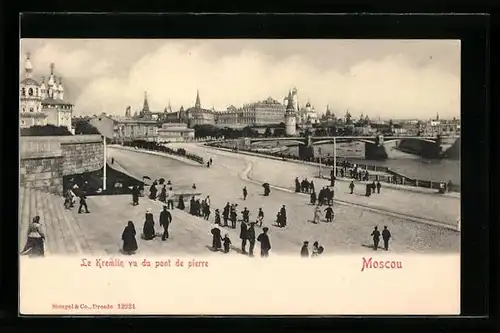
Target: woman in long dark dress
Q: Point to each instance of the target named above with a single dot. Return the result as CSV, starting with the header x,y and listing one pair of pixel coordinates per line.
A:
x,y
216,239
163,194
181,205
128,238
149,226
192,206
153,191
36,237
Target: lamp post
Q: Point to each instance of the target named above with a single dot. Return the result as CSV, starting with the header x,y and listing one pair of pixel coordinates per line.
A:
x,y
335,155
319,151
105,163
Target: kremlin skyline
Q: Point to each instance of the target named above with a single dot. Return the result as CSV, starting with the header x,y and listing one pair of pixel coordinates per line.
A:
x,y
399,79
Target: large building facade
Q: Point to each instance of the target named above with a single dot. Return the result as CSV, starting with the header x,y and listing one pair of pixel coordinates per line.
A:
x,y
43,103
266,112
261,113
122,129
171,132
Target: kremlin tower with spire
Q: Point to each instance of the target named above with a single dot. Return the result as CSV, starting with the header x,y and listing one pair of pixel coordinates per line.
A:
x,y
43,103
290,117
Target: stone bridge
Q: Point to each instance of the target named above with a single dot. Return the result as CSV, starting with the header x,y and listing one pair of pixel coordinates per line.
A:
x,y
319,140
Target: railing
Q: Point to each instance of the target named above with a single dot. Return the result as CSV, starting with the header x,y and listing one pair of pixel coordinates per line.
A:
x,y
344,168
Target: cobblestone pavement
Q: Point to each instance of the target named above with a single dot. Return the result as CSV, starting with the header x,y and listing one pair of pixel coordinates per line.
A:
x,y
349,232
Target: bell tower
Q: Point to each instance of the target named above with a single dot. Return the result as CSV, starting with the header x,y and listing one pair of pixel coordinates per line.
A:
x,y
290,117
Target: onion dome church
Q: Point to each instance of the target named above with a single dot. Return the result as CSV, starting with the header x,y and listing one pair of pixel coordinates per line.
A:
x,y
42,103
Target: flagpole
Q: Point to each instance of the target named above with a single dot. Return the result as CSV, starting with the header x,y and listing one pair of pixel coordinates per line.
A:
x,y
334,155
105,164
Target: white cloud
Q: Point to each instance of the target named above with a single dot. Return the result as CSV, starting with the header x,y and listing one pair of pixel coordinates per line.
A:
x,y
388,87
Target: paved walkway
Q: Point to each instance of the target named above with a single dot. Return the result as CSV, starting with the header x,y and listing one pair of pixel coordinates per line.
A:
x,y
349,232
62,230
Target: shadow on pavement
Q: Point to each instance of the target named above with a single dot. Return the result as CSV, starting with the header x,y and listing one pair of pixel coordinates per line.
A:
x,y
371,246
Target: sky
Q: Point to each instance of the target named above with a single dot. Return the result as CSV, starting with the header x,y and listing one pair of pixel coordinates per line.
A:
x,y
396,79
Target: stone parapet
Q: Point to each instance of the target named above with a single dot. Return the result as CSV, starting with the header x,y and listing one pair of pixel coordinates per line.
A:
x,y
42,173
46,159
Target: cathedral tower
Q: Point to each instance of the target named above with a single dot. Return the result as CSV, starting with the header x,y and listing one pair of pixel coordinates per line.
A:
x,y
290,117
197,105
295,99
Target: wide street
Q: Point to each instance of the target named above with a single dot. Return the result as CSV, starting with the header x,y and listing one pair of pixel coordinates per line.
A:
x,y
349,232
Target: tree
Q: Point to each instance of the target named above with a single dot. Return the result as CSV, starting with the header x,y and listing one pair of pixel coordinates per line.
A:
x,y
82,126
249,132
201,131
47,130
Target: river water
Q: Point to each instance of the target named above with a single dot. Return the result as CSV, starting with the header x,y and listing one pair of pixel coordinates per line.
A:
x,y
410,165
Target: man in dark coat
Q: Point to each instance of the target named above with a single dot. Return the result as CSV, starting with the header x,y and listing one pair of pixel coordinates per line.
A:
x,y
321,196
265,243
351,187
260,217
378,187
330,196
245,193
332,178
83,204
243,236
251,238
225,214
135,195
246,215
165,220
233,216
283,216
297,185
376,238
374,187
386,235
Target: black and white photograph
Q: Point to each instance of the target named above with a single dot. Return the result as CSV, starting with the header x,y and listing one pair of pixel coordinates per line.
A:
x,y
244,149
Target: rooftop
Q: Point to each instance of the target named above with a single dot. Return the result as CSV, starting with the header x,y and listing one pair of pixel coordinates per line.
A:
x,y
52,101
30,81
